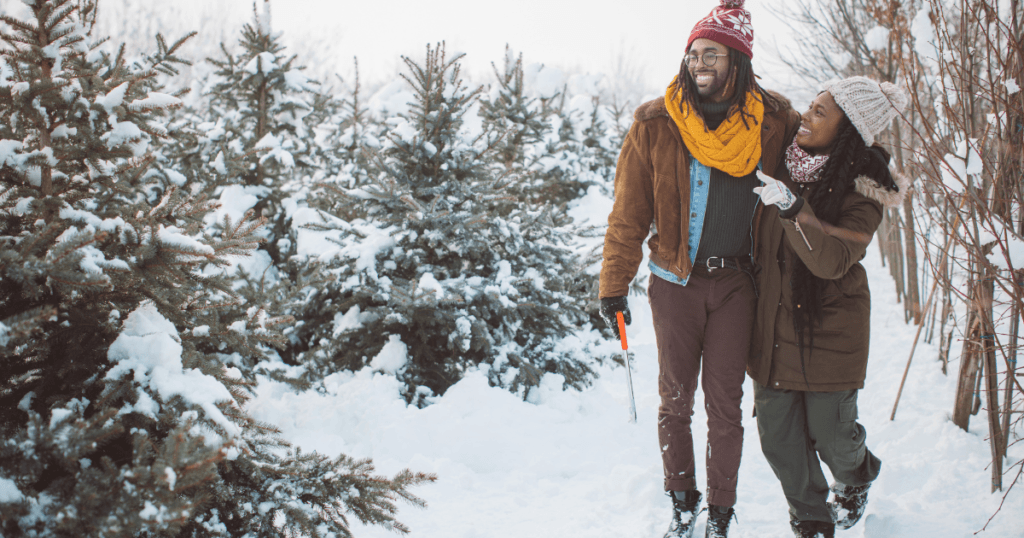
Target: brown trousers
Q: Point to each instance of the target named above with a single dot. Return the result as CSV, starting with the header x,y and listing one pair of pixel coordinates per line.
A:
x,y
707,322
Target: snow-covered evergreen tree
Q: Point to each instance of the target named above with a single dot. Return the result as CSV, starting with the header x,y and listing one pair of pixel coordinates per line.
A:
x,y
582,148
603,141
122,371
552,146
514,115
352,137
560,170
446,272
256,129
559,147
257,138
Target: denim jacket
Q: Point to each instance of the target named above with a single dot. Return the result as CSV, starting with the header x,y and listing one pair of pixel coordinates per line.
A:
x,y
700,184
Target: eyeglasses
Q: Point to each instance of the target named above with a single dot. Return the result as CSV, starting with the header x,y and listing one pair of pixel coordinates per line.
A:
x,y
709,58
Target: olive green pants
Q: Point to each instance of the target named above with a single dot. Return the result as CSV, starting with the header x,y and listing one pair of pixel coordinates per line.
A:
x,y
796,429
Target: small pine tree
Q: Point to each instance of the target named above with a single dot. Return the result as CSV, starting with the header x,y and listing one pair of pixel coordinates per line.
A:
x,y
257,129
620,112
601,144
516,117
122,376
353,138
551,167
446,272
256,142
592,162
557,176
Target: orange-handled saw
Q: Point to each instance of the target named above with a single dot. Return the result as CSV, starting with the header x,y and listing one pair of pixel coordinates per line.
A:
x,y
625,358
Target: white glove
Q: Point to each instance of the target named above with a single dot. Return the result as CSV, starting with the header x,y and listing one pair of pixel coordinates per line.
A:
x,y
774,192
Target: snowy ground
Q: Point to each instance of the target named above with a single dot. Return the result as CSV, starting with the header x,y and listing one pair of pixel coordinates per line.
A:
x,y
568,464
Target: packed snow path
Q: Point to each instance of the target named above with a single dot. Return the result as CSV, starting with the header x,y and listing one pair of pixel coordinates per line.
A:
x,y
568,464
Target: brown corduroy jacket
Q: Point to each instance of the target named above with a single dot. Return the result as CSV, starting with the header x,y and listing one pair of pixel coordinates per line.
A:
x,y
839,358
652,187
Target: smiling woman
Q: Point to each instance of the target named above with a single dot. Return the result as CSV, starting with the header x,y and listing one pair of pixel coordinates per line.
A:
x,y
810,351
820,125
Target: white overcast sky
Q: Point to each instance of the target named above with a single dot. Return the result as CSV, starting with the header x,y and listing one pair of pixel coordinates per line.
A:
x,y
564,33
575,35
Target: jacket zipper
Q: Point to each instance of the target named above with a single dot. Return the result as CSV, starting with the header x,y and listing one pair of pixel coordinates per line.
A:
x,y
753,260
801,230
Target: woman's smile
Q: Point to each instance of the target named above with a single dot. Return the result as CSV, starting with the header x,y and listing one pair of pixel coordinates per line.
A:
x,y
819,126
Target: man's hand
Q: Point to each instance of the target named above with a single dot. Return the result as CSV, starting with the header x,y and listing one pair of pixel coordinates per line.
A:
x,y
773,192
611,305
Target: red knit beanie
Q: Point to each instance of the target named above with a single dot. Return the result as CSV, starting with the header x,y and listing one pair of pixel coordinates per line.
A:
x,y
728,24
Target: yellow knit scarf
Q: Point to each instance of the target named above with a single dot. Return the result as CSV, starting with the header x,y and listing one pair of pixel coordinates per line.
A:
x,y
732,148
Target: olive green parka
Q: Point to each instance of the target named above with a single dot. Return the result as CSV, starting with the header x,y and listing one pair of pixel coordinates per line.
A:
x,y
838,361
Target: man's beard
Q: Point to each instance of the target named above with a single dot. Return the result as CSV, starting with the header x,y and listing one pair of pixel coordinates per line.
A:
x,y
714,88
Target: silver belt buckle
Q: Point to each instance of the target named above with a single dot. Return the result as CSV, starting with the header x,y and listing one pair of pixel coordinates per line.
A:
x,y
707,263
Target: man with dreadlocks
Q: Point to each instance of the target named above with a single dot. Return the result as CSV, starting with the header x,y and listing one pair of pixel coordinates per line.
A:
x,y
810,346
685,176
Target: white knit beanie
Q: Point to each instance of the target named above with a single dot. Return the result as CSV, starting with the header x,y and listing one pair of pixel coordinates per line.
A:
x,y
870,105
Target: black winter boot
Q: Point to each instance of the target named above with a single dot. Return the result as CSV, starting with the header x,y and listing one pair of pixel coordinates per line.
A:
x,y
718,521
684,514
849,504
813,529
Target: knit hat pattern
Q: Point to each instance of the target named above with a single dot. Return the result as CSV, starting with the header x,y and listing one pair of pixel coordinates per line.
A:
x,y
728,24
870,105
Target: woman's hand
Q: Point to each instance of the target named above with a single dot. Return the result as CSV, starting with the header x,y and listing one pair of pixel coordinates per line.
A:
x,y
773,192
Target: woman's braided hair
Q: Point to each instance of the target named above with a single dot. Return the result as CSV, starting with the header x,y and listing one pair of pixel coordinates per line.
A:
x,y
742,77
849,158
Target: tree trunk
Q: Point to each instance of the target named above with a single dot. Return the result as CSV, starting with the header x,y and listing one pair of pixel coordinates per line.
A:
x,y
882,236
894,252
1011,371
967,380
990,376
912,303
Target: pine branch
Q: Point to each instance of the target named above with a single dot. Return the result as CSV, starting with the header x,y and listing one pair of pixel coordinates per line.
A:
x,y
18,25
58,16
21,326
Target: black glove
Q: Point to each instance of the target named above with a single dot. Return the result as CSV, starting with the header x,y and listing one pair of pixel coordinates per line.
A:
x,y
611,305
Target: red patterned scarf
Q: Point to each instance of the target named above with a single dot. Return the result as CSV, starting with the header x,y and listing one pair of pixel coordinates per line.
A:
x,y
804,167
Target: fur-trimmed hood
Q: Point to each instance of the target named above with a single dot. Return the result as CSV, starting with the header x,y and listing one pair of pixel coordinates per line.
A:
x,y
886,196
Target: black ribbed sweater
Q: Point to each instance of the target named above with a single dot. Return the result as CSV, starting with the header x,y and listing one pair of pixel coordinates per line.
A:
x,y
731,203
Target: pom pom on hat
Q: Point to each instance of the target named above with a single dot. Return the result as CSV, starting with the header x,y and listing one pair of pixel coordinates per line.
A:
x,y
870,105
728,24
